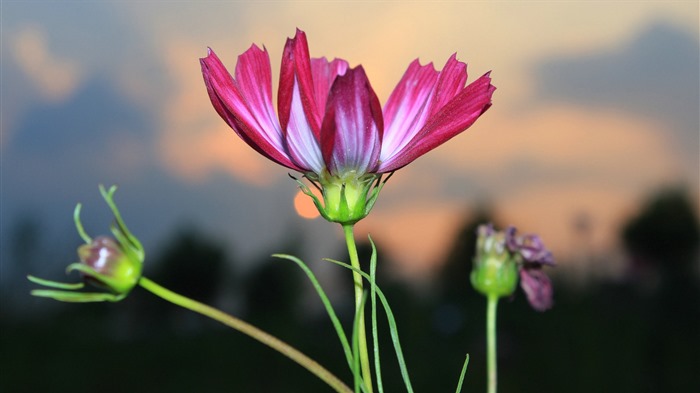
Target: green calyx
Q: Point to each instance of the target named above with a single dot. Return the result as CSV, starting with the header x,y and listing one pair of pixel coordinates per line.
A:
x,y
114,264
495,271
346,199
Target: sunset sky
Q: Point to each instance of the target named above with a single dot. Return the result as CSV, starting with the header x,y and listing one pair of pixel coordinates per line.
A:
x,y
596,108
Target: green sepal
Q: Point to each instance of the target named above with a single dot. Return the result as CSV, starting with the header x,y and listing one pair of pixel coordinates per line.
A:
x,y
347,199
79,225
77,297
128,238
305,189
117,285
375,193
55,284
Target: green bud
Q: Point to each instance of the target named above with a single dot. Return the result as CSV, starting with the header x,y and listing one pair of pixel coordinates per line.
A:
x,y
111,263
105,265
495,271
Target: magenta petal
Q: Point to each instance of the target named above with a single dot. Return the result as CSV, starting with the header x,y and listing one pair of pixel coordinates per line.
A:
x,y
302,144
352,126
456,116
324,73
537,287
405,111
247,108
420,94
296,73
451,81
302,140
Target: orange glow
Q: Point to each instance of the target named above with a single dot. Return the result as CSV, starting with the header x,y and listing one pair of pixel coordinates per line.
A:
x,y
304,206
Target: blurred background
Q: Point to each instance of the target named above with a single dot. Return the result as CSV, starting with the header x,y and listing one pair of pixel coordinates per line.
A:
x,y
592,142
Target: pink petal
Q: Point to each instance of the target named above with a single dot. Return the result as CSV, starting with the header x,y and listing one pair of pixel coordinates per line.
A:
x,y
420,94
247,108
302,142
454,117
352,126
451,81
296,73
404,112
324,73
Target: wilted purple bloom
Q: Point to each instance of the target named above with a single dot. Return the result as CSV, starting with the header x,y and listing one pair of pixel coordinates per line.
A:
x,y
528,252
537,287
531,248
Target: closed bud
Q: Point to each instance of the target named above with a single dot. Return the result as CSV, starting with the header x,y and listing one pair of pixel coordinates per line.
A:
x,y
113,269
495,271
110,263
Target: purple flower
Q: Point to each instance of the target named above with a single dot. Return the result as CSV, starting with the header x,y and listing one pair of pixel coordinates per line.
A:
x,y
330,125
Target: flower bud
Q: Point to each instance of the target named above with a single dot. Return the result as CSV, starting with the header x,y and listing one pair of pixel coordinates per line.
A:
x,y
113,269
495,272
111,263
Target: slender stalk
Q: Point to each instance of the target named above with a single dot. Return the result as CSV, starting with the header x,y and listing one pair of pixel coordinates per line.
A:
x,y
249,330
362,334
491,306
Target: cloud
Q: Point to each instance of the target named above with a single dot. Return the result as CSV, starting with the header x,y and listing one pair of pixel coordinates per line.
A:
x,y
55,78
539,170
654,75
194,142
95,134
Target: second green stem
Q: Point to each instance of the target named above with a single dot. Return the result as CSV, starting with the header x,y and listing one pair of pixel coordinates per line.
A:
x,y
358,284
249,330
491,306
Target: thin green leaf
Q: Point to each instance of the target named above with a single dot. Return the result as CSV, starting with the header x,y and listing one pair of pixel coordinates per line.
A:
x,y
357,371
392,325
55,284
327,304
375,331
461,376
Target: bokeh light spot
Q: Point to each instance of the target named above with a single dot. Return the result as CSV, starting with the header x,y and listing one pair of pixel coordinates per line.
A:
x,y
304,206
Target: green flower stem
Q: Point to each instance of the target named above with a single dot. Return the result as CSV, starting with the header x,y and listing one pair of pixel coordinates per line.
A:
x,y
249,330
491,306
362,336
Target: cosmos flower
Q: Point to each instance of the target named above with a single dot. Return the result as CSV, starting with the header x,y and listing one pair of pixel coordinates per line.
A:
x,y
330,125
502,257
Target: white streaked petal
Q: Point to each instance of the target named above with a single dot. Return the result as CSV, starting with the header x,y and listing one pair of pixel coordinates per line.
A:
x,y
303,147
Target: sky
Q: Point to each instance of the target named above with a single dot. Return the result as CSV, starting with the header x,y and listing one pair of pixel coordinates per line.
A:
x,y
596,107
